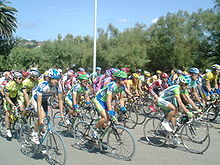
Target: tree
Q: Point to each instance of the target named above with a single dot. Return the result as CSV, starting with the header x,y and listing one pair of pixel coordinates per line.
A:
x,y
8,21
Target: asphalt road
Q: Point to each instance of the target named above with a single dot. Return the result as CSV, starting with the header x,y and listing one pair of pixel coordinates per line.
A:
x,y
145,154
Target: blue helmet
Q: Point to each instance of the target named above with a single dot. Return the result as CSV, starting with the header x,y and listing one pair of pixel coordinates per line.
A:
x,y
184,79
54,73
98,68
194,70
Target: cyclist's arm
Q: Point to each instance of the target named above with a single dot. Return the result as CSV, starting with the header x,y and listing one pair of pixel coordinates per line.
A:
x,y
190,101
74,95
207,84
8,99
87,97
180,103
26,97
195,93
60,101
109,101
122,99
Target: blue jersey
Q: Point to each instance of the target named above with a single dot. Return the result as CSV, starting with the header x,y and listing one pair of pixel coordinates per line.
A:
x,y
46,90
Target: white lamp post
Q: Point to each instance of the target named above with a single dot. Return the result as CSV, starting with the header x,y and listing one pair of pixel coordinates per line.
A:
x,y
94,47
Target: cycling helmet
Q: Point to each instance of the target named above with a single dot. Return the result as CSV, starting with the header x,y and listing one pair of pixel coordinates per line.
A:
x,y
109,72
125,69
194,70
24,73
70,73
164,75
6,73
135,75
81,69
17,75
60,70
34,73
184,79
54,73
98,68
83,77
208,70
120,74
138,70
215,67
179,72
185,73
146,73
158,72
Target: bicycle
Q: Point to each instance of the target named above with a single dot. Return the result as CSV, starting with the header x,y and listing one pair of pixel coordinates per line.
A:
x,y
64,128
119,141
194,136
51,143
16,122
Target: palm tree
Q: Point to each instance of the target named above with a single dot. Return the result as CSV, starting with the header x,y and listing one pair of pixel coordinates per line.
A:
x,y
8,21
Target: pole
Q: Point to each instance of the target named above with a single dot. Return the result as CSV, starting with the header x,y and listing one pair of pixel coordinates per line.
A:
x,y
94,44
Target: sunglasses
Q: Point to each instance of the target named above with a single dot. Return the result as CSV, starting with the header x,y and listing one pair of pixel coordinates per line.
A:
x,y
18,78
55,79
123,79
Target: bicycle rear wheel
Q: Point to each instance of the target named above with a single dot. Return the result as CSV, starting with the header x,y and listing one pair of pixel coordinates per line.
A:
x,y
82,136
154,132
141,114
121,142
56,151
195,137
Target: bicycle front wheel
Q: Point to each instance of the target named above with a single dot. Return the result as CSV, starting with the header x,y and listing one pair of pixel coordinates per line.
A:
x,y
154,132
83,137
56,151
195,137
121,142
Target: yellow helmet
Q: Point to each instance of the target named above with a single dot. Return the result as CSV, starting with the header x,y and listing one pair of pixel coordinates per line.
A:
x,y
146,73
158,72
135,75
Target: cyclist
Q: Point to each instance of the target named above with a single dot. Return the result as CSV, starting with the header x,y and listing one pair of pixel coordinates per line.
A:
x,y
134,84
171,97
74,95
104,97
43,92
96,74
209,80
193,74
159,85
28,84
12,94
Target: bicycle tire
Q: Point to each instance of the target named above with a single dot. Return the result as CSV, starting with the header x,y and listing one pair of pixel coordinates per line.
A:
x,y
154,132
195,138
28,147
141,115
59,125
82,137
131,118
18,124
116,138
56,151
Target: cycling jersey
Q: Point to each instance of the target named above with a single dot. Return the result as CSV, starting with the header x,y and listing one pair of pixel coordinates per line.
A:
x,y
172,91
157,86
29,84
209,76
13,88
46,90
109,89
77,89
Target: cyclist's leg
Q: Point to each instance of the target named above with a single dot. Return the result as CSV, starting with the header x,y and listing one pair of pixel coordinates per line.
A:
x,y
101,107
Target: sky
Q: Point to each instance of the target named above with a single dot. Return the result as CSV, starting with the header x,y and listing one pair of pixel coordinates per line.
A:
x,y
44,19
